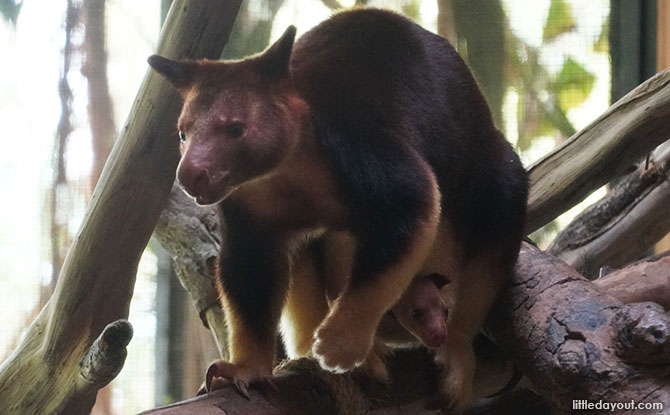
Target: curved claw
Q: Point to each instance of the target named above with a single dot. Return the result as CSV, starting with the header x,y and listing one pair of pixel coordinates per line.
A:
x,y
242,388
221,374
219,369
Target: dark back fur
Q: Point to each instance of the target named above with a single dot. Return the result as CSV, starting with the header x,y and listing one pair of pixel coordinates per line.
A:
x,y
374,78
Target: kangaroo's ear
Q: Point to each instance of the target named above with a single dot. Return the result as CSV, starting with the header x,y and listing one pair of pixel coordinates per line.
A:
x,y
274,61
180,74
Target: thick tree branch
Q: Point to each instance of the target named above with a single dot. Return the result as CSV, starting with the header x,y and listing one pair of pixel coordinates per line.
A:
x,y
605,149
303,388
100,365
646,280
191,235
570,338
634,214
94,68
573,341
97,278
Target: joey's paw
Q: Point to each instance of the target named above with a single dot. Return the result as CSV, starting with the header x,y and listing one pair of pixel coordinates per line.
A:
x,y
221,373
456,392
375,364
339,348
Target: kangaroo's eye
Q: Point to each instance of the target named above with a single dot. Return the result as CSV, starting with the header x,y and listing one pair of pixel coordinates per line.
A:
x,y
417,314
235,130
182,136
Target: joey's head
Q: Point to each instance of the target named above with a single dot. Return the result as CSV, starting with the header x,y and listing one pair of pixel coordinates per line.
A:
x,y
240,119
423,309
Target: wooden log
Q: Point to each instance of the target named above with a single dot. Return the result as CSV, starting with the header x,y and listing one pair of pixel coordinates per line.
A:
x,y
608,147
43,375
643,334
567,336
572,340
647,280
621,226
191,235
303,388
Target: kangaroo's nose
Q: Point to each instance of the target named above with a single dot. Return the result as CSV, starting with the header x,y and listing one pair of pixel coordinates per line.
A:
x,y
194,179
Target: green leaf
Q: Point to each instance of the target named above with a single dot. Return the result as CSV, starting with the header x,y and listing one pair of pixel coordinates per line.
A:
x,y
572,85
412,9
602,44
559,20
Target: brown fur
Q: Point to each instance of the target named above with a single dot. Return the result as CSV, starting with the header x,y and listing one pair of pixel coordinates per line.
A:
x,y
369,127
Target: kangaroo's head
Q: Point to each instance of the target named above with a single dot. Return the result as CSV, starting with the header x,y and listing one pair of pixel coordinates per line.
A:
x,y
240,119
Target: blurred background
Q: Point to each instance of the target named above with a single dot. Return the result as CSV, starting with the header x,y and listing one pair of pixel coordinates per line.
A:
x,y
71,69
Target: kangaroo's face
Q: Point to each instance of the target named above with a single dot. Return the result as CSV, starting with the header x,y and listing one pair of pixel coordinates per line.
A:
x,y
239,122
424,309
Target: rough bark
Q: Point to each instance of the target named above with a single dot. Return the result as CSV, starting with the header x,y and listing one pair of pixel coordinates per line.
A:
x,y
192,236
645,280
608,147
569,337
44,374
634,214
574,341
303,388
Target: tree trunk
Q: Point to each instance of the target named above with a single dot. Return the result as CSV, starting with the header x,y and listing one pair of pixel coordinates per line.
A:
x,y
58,368
484,50
100,109
60,237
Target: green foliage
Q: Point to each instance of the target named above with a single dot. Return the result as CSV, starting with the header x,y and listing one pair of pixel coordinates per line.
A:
x,y
572,85
411,9
602,44
545,96
559,20
10,10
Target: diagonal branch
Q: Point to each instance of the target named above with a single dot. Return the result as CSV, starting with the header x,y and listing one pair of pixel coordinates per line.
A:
x,y
42,375
605,149
623,225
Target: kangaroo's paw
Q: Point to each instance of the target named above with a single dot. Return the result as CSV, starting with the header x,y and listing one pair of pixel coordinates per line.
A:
x,y
222,373
340,345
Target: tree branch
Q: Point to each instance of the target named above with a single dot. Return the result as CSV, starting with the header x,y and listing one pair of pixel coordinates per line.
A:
x,y
645,280
191,235
562,330
570,338
634,214
630,128
96,282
